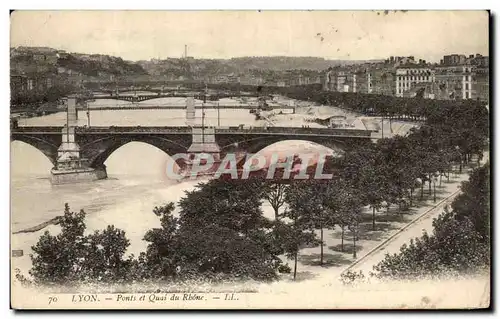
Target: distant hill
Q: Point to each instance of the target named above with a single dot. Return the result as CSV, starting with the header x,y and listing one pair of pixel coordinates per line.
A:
x,y
96,65
43,59
242,64
282,63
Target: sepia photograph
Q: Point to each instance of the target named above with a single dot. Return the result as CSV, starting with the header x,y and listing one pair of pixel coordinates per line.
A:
x,y
250,159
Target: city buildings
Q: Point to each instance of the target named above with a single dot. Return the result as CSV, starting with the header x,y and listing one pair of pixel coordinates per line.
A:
x,y
20,83
455,77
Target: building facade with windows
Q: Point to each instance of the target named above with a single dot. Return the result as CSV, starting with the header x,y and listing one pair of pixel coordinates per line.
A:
x,y
455,82
411,75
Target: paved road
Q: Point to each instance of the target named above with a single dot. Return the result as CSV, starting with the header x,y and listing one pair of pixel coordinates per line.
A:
x,y
414,230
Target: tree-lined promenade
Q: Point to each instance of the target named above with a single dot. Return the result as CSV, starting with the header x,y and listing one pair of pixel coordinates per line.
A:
x,y
221,233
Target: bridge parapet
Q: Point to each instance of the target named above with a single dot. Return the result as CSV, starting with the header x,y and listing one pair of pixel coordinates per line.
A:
x,y
178,107
134,129
198,96
37,129
296,130
187,130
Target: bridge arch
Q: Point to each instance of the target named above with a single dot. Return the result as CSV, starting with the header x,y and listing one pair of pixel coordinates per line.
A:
x,y
255,144
259,144
27,160
141,159
97,151
46,147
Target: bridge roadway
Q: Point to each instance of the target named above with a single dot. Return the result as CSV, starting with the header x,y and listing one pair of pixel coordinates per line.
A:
x,y
162,130
140,98
157,90
178,107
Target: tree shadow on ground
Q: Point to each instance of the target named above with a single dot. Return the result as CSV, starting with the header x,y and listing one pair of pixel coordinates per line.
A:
x,y
329,260
348,248
441,193
379,227
385,217
429,202
313,244
366,231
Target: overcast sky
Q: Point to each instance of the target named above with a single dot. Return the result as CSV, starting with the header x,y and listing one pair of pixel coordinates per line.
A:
x,y
137,35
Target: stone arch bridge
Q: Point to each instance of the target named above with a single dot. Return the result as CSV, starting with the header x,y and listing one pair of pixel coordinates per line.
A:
x,y
96,144
144,97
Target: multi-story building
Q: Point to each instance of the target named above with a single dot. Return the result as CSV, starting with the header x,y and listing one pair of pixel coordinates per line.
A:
x,y
358,80
18,84
22,83
481,84
339,80
454,81
409,75
481,77
453,59
382,81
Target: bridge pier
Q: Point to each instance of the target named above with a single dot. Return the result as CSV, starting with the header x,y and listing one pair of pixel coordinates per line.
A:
x,y
70,166
203,148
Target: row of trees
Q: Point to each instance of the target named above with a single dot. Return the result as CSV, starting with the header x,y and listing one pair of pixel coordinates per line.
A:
x,y
459,244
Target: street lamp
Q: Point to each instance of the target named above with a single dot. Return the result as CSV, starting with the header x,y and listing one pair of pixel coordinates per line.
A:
x,y
460,156
218,114
354,227
88,116
434,180
382,126
354,244
420,182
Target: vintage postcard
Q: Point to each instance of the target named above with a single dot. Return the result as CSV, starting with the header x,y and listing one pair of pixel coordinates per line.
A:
x,y
250,160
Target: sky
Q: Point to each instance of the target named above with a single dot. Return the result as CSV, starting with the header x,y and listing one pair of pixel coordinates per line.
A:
x,y
346,35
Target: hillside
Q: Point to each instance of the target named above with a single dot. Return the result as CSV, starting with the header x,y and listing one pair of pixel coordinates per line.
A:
x,y
96,65
239,65
43,60
282,63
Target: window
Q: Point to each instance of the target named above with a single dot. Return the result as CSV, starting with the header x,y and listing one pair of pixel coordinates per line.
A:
x,y
466,86
467,95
